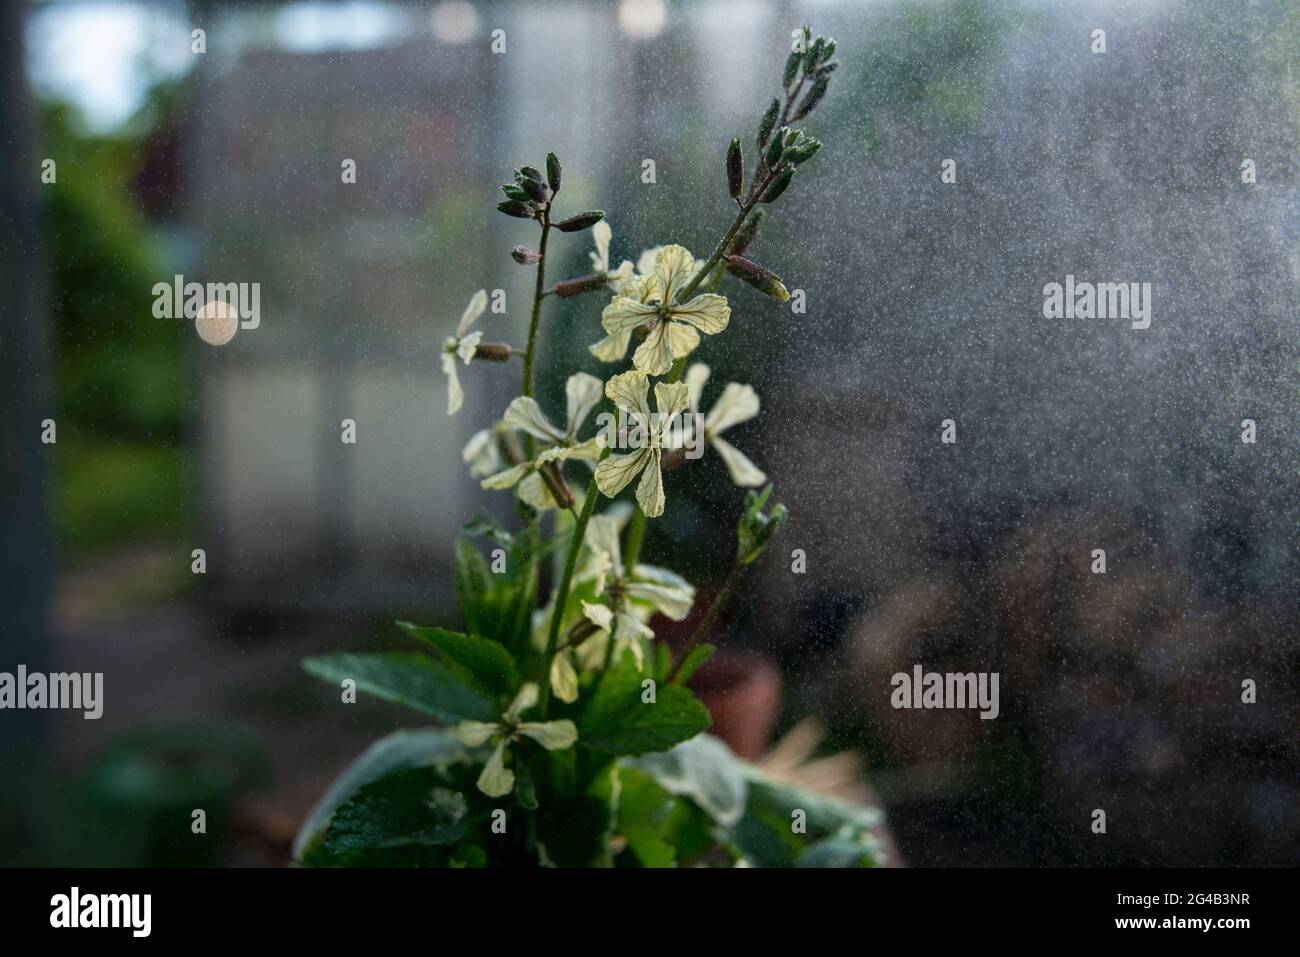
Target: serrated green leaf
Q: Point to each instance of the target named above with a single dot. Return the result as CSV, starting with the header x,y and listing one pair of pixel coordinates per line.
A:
x,y
489,666
401,749
617,721
408,808
407,678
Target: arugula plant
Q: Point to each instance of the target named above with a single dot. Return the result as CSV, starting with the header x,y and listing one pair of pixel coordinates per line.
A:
x,y
567,735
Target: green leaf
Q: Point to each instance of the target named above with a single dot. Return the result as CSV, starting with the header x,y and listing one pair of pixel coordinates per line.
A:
x,y
403,809
692,663
617,721
704,770
401,749
473,585
488,665
661,830
406,678
839,852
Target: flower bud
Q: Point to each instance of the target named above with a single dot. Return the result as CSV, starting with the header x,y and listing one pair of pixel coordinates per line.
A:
x,y
525,256
568,288
775,147
553,172
791,68
516,192
530,172
813,97
537,190
755,529
735,170
493,351
745,237
769,122
764,280
580,221
513,207
774,191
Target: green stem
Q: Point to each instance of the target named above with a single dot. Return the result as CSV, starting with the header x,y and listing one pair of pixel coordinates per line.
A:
x,y
635,536
539,291
705,626
562,593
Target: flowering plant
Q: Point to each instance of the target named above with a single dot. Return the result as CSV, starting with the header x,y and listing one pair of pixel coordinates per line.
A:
x,y
567,734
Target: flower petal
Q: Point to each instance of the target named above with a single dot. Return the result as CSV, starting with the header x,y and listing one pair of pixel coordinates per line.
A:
x,y
673,602
481,453
707,312
743,472
525,699
650,490
583,393
738,403
628,391
624,314
655,355
674,268
507,479
697,376
684,339
497,780
552,735
468,346
475,733
599,615
564,680
645,263
600,236
537,493
455,394
612,348
603,538
671,399
613,473
476,306
526,415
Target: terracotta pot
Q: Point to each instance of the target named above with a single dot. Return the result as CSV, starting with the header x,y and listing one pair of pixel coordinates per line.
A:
x,y
742,690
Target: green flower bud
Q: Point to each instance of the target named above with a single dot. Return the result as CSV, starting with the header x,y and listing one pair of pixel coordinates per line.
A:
x,y
513,207
745,236
813,96
769,122
516,192
791,68
580,221
530,172
537,190
764,280
775,147
735,170
553,172
755,530
814,54
774,191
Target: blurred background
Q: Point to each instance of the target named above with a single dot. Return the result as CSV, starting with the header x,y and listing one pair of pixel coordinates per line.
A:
x,y
1119,691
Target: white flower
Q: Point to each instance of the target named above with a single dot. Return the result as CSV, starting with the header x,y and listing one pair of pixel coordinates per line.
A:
x,y
738,403
601,235
482,453
497,780
651,300
463,345
582,392
628,391
629,597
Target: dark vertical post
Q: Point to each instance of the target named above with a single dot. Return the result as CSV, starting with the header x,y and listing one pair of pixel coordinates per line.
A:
x,y
25,554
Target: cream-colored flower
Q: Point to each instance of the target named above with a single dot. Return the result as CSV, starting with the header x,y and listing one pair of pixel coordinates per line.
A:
x,y
673,325
498,780
462,345
628,391
482,453
600,236
738,403
582,392
629,598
